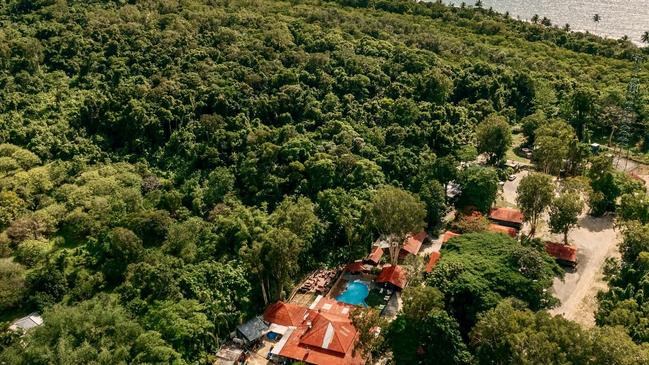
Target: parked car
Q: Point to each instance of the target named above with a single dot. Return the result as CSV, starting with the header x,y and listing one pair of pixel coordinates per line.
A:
x,y
511,177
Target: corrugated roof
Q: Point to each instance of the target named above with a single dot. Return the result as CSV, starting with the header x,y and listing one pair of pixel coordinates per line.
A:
x,y
253,329
354,267
27,322
394,275
502,229
507,215
432,261
412,244
326,337
561,252
448,235
285,314
375,256
330,332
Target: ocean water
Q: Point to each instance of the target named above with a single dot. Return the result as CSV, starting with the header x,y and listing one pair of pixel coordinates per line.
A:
x,y
618,17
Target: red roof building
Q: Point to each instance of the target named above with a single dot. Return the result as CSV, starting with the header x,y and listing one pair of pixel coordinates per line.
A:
x,y
502,229
325,337
413,243
355,267
329,332
509,217
564,253
285,314
448,235
394,275
432,261
375,257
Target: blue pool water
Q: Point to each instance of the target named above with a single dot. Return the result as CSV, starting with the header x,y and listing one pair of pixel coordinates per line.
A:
x,y
355,293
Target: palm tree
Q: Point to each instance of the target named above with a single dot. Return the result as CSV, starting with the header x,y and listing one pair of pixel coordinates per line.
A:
x,y
645,37
596,19
566,27
535,18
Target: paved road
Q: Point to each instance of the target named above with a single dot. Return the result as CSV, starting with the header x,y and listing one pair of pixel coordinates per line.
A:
x,y
509,189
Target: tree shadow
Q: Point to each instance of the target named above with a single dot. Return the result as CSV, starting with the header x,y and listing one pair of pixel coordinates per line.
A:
x,y
596,224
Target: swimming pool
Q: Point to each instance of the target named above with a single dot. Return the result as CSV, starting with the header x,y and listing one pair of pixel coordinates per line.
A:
x,y
355,293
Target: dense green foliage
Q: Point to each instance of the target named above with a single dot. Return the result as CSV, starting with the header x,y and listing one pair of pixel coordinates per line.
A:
x,y
478,270
167,167
512,334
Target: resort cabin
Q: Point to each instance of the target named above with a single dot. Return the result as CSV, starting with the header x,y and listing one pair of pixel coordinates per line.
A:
x,y
392,277
432,261
508,217
326,336
412,243
374,258
564,254
496,228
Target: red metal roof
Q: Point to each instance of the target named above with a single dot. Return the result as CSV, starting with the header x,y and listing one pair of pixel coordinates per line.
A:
x,y
285,314
394,275
330,332
507,215
412,244
325,337
356,266
448,235
432,261
561,252
375,256
502,229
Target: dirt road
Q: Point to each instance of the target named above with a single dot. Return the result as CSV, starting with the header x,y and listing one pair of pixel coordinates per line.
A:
x,y
596,240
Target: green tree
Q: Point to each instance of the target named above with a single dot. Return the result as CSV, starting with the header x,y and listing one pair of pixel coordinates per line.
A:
x,y
604,186
479,187
275,259
564,213
394,212
12,284
94,331
371,328
531,123
445,170
183,324
11,206
534,194
494,137
30,252
635,240
512,334
433,339
418,301
583,111
645,37
478,270
552,146
634,207
219,182
434,196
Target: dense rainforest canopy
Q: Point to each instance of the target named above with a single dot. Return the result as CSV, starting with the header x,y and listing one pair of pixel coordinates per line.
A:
x,y
167,167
